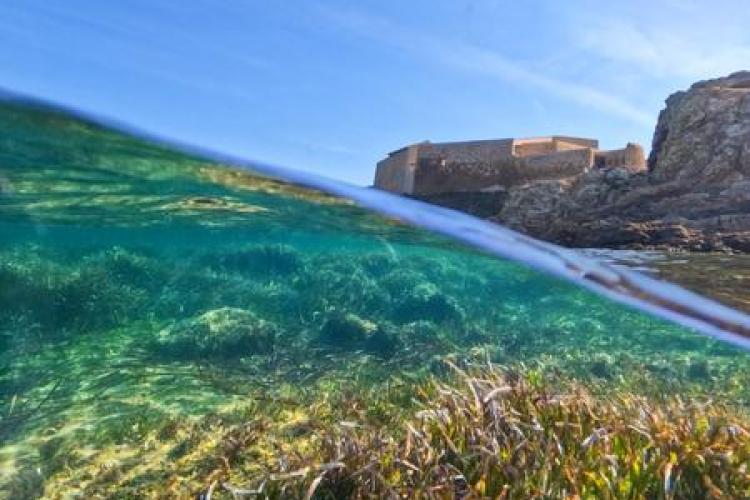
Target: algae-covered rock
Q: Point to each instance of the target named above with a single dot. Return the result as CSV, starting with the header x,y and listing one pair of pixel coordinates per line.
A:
x,y
345,285
54,298
345,329
260,260
349,331
699,369
129,268
379,264
382,342
401,281
426,302
421,330
225,332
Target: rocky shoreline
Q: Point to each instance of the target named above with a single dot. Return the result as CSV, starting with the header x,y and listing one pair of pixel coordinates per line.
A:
x,y
694,196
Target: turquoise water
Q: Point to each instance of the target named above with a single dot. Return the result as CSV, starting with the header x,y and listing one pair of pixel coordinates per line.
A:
x,y
151,300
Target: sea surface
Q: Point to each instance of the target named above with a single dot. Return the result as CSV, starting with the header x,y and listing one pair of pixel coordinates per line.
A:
x,y
151,301
721,276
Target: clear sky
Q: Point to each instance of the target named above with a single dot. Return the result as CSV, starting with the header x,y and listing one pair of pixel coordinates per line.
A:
x,y
331,86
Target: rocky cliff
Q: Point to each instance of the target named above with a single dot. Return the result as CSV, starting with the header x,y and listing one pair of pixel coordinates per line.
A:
x,y
695,194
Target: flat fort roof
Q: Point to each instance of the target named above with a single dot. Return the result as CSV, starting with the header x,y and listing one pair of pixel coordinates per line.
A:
x,y
520,140
591,142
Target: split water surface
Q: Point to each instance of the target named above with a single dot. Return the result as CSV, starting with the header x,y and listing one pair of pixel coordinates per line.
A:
x,y
171,326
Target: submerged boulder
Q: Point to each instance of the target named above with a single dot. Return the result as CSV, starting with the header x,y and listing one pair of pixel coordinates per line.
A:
x,y
426,302
699,369
351,332
261,260
227,332
603,366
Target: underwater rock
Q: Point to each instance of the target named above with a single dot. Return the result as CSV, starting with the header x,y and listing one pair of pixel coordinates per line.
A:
x,y
196,204
55,295
296,423
379,264
347,286
512,341
129,268
425,301
26,483
699,370
383,342
602,366
661,368
260,260
55,300
349,331
421,330
401,281
226,332
344,329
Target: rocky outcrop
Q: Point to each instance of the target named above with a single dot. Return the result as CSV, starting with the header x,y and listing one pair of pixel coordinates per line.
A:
x,y
695,194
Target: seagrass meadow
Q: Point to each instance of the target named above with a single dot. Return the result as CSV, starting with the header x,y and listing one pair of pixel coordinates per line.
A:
x,y
174,328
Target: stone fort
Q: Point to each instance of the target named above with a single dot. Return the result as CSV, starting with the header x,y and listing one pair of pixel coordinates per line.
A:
x,y
428,168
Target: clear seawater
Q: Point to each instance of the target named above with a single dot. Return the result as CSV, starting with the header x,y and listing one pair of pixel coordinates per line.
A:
x,y
723,277
150,300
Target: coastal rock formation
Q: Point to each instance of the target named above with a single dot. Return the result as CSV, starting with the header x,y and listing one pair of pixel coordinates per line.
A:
x,y
695,194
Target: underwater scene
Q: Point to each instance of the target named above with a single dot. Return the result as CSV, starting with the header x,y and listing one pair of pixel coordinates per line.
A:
x,y
171,327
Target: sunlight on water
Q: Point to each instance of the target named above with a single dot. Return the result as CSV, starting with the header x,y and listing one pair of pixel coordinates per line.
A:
x,y
166,321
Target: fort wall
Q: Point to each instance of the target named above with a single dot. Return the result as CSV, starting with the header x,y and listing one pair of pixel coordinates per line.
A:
x,y
535,147
396,173
434,175
558,165
547,145
576,141
491,165
631,156
475,152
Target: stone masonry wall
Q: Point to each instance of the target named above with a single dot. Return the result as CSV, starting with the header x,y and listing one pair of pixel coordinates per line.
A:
x,y
492,165
396,173
558,165
547,145
631,157
438,175
476,152
533,147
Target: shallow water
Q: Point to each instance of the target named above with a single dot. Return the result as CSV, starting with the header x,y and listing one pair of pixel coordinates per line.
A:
x,y
151,300
723,277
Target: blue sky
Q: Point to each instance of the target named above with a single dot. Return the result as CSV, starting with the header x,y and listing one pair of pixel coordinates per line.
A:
x,y
331,86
